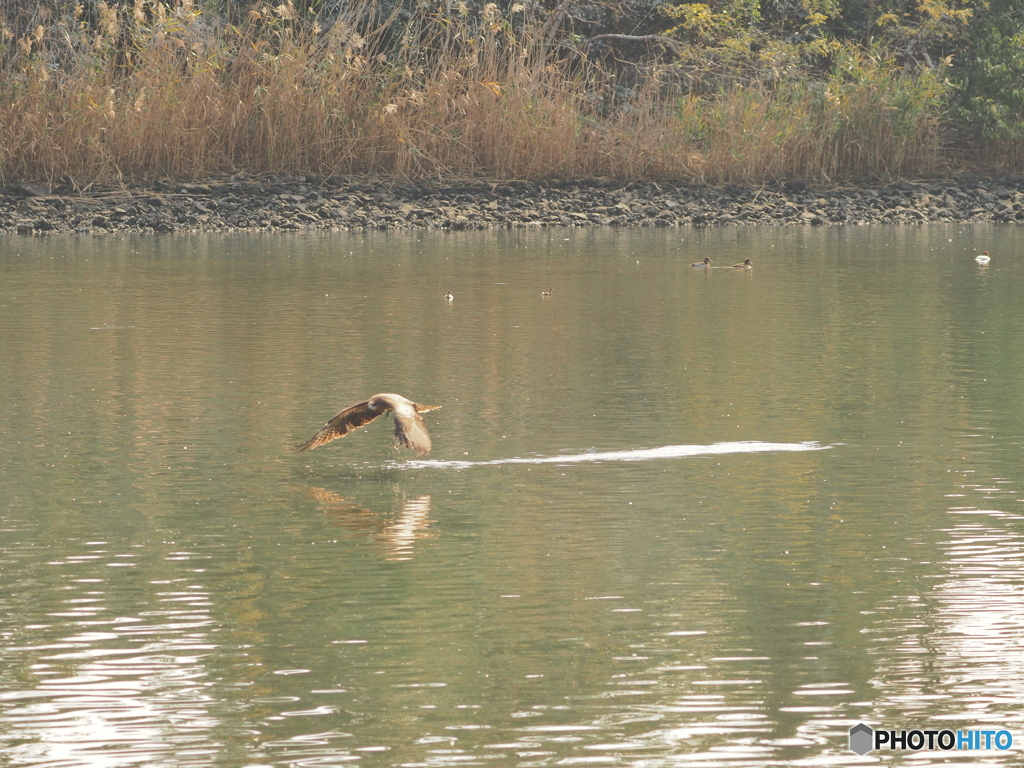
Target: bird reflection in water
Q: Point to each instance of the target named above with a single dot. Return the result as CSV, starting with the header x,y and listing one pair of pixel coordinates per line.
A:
x,y
395,535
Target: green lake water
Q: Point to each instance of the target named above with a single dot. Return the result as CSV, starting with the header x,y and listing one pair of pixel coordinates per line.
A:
x,y
671,517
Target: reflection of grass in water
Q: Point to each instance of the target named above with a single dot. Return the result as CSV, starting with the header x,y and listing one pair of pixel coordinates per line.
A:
x,y
182,94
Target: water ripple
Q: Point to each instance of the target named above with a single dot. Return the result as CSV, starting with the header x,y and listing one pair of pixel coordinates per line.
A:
x,y
640,454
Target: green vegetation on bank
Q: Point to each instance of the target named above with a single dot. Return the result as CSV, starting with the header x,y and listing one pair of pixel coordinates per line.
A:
x,y
747,91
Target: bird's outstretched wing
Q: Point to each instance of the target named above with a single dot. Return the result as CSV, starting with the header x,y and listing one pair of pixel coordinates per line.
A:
x,y
410,430
350,418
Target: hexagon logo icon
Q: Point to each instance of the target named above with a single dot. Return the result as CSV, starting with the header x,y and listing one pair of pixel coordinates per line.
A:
x,y
862,739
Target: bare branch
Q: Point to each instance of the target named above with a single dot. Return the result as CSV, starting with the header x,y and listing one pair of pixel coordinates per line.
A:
x,y
668,42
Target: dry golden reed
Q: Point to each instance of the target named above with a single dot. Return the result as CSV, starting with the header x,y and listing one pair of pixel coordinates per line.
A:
x,y
148,92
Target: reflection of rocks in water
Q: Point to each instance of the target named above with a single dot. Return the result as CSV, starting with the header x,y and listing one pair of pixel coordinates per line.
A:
x,y
396,534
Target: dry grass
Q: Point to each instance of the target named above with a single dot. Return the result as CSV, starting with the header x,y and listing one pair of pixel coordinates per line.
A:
x,y
153,93
866,120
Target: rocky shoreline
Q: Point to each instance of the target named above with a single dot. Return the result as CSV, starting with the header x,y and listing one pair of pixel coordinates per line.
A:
x,y
305,203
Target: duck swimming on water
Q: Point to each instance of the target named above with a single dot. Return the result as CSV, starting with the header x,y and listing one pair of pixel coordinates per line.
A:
x,y
745,265
702,264
448,296
983,258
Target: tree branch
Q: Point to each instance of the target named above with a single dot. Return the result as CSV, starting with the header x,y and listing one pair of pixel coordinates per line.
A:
x,y
668,42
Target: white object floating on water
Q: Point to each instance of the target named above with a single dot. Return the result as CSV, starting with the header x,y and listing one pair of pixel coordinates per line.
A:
x,y
641,454
983,258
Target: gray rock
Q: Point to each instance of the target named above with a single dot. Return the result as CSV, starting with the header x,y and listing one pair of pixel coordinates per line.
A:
x,y
30,189
260,203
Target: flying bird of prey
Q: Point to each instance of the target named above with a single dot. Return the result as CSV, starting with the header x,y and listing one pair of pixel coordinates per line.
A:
x,y
410,430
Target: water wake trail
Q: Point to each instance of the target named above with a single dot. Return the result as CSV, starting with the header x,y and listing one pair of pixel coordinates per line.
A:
x,y
641,454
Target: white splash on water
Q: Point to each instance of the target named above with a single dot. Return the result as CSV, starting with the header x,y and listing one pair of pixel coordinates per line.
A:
x,y
641,454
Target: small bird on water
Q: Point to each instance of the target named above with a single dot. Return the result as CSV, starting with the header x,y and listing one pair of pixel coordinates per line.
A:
x,y
449,297
745,265
548,292
410,430
702,264
983,258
